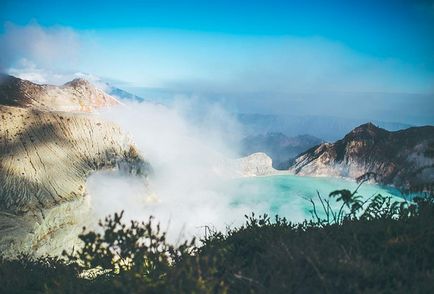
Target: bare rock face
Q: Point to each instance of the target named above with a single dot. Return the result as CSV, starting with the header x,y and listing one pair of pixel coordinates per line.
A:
x,y
45,158
256,164
403,158
76,96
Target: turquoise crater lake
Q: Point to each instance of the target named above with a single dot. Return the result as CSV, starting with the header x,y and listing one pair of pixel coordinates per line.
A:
x,y
288,195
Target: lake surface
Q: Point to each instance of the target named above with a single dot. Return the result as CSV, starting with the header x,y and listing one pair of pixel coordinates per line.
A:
x,y
288,195
185,207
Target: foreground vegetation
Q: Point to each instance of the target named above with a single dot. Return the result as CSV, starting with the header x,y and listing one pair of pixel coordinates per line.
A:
x,y
372,246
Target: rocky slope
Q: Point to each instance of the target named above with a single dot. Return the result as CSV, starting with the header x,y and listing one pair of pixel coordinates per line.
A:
x,y
46,157
402,158
75,96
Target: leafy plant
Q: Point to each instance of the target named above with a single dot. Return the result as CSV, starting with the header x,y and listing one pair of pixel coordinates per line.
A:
x,y
378,245
353,207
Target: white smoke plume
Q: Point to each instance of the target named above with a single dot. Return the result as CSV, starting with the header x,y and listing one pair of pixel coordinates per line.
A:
x,y
189,146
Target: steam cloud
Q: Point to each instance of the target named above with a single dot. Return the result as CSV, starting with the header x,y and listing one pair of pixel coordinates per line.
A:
x,y
192,147
189,147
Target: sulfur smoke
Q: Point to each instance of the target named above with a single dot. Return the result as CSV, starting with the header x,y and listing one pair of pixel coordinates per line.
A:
x,y
190,147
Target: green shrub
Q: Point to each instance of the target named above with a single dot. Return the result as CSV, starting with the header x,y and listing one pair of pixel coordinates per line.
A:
x,y
372,246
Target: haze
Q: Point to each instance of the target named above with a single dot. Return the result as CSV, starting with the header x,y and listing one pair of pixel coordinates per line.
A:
x,y
255,58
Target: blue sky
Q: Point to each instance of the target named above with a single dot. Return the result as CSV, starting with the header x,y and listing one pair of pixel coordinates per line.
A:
x,y
383,28
249,48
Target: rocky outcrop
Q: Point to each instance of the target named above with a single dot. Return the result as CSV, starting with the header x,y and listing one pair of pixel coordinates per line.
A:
x,y
279,147
46,157
76,96
257,164
402,158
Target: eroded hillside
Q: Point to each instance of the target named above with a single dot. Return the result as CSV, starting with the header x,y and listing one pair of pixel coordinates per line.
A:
x,y
46,157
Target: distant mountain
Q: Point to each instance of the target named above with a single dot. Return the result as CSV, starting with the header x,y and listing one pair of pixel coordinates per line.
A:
x,y
278,146
120,93
402,158
326,127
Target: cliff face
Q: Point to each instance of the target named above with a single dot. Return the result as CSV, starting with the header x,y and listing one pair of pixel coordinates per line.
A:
x,y
47,156
403,158
45,159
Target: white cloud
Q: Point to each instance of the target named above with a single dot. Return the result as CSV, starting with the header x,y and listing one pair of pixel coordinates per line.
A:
x,y
296,65
27,70
268,74
44,47
200,62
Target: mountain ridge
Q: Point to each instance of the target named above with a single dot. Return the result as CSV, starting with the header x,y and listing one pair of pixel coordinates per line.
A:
x,y
403,158
328,128
77,95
